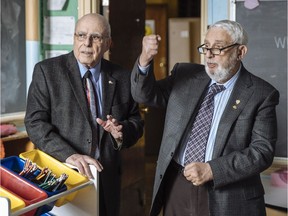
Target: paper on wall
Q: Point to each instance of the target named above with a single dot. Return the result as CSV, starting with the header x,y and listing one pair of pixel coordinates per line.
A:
x,y
59,30
55,4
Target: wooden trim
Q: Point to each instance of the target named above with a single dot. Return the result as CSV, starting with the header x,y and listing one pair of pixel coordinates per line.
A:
x,y
204,23
12,117
279,163
32,25
88,6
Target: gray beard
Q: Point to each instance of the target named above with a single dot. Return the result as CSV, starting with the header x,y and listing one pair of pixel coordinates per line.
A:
x,y
223,72
220,75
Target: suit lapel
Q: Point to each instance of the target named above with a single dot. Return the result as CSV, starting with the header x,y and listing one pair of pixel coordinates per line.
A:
x,y
75,80
236,103
186,102
194,92
108,90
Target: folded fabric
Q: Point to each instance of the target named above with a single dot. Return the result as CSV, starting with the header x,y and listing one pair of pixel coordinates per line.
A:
x,y
279,178
7,129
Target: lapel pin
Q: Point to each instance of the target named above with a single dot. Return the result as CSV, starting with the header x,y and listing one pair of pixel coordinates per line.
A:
x,y
234,107
110,82
237,101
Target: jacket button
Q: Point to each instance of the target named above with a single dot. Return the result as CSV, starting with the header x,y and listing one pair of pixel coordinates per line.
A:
x,y
89,141
161,176
172,153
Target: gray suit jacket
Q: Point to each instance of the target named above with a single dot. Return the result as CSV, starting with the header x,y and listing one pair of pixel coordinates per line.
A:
x,y
57,117
245,139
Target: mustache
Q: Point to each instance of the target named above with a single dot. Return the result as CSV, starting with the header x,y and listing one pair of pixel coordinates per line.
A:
x,y
211,62
86,51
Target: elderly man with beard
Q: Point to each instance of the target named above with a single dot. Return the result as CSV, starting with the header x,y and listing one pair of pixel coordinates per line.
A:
x,y
210,160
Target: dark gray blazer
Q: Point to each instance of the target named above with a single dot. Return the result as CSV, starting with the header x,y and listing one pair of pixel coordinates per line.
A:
x,y
245,139
57,117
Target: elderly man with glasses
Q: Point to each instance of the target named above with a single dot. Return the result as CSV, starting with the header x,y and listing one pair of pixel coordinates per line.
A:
x,y
220,128
80,109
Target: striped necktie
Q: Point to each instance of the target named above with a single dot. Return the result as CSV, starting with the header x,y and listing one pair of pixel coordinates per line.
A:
x,y
92,103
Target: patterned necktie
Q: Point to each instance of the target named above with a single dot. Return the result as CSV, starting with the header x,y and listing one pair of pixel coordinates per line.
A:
x,y
91,95
92,102
196,145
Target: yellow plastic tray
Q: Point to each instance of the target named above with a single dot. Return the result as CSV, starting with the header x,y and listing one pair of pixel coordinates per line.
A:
x,y
44,160
15,202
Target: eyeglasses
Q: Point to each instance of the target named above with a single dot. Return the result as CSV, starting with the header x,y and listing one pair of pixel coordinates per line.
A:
x,y
96,38
214,51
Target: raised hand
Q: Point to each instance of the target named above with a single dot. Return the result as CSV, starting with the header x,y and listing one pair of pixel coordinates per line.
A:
x,y
150,44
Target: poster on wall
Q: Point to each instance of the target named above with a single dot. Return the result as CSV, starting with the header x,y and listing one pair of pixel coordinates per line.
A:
x,y
59,30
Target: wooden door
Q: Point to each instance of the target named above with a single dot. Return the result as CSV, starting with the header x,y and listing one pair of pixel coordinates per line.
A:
x,y
156,16
156,23
127,18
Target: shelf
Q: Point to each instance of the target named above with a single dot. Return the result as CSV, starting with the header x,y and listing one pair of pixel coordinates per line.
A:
x,y
18,120
16,136
68,202
51,199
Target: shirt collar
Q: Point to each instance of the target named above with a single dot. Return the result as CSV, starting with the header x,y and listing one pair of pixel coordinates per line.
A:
x,y
95,71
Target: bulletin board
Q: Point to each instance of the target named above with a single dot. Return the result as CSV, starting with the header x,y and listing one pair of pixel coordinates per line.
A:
x,y
57,27
266,26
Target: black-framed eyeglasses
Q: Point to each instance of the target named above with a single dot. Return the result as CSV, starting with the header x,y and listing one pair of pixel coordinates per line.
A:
x,y
96,38
214,51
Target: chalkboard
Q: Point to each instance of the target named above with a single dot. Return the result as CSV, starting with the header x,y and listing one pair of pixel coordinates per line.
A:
x,y
13,57
13,50
266,26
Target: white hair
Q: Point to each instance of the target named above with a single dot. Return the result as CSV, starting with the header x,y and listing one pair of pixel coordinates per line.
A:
x,y
234,29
